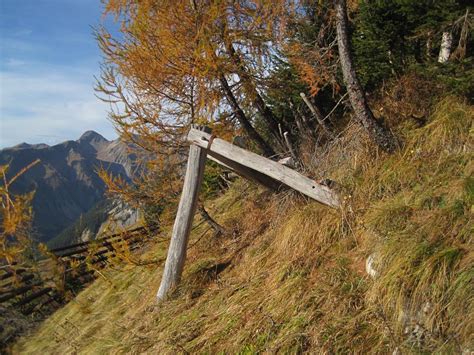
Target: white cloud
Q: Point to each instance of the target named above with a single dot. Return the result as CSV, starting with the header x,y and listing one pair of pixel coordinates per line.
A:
x,y
47,104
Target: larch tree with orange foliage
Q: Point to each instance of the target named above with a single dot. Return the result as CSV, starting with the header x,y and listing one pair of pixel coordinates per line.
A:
x,y
183,62
16,216
179,63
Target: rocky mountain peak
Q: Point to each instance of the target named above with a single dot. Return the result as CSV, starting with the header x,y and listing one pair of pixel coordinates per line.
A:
x,y
66,183
92,136
94,140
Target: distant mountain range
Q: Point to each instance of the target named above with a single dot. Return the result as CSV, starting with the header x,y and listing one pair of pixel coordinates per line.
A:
x,y
66,181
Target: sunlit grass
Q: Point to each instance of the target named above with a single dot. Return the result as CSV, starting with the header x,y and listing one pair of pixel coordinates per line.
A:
x,y
290,276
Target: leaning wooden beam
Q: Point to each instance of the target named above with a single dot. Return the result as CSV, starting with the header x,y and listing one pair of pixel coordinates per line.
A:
x,y
184,217
219,149
245,172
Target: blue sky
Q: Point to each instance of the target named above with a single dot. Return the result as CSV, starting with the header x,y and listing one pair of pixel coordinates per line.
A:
x,y
48,59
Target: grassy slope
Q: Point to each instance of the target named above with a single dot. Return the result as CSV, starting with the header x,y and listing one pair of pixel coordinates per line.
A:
x,y
291,277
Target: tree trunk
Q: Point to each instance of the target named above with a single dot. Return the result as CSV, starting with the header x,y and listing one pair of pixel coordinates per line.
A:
x,y
289,145
252,92
379,134
243,120
445,50
428,46
305,128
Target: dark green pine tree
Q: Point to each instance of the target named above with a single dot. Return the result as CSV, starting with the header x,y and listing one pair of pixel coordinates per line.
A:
x,y
389,35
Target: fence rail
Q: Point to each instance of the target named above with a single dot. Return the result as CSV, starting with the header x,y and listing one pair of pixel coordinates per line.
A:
x,y
28,291
249,165
107,238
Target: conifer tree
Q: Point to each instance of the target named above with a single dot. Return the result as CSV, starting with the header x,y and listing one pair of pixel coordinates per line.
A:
x,y
379,134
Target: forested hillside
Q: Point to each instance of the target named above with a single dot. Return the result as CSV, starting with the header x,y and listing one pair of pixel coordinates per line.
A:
x,y
372,99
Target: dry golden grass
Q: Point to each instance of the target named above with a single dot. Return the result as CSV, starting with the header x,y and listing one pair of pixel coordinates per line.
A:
x,y
290,275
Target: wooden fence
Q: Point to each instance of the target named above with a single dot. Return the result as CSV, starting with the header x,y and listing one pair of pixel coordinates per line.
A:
x,y
29,291
264,171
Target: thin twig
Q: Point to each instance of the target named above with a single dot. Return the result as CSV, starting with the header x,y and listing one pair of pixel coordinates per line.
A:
x,y
337,104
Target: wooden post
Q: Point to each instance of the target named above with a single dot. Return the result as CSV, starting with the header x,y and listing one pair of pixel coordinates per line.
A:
x,y
184,217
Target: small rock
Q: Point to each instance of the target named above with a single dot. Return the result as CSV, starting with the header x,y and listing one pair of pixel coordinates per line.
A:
x,y
369,266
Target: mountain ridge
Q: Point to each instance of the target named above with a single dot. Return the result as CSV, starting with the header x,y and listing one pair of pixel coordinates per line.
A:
x,y
66,183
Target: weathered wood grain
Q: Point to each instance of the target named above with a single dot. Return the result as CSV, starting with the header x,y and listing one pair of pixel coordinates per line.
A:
x,y
238,158
184,217
245,172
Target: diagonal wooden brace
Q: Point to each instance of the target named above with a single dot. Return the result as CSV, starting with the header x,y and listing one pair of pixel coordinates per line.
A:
x,y
261,169
250,165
